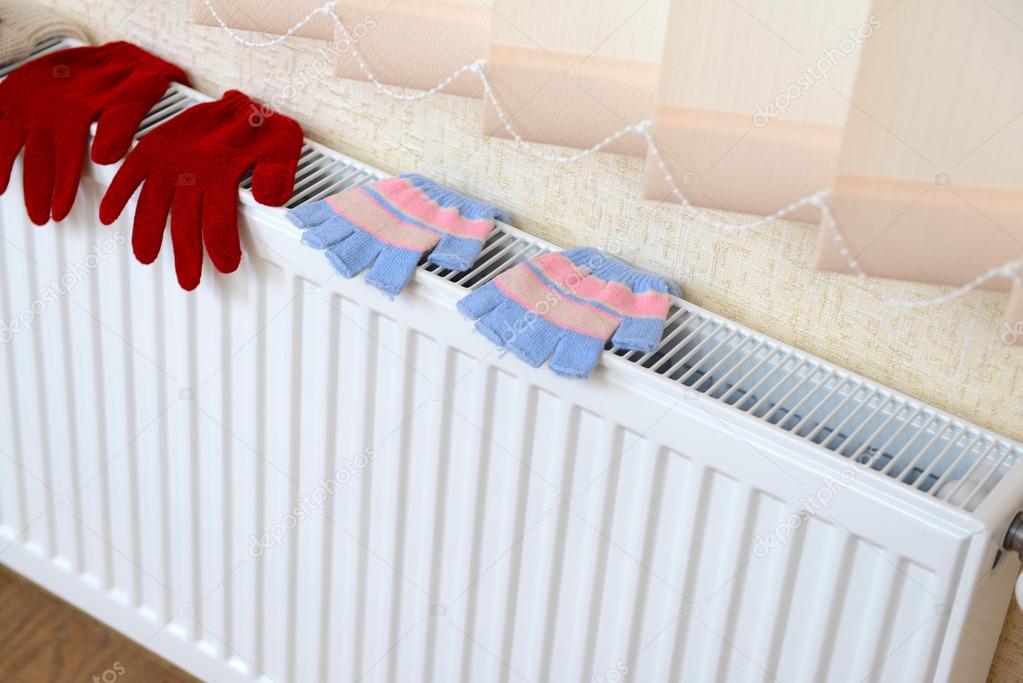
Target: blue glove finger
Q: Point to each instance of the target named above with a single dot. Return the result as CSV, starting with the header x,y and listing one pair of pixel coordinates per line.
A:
x,y
393,269
576,355
525,333
639,334
635,333
327,233
485,299
456,253
535,340
498,324
354,254
311,214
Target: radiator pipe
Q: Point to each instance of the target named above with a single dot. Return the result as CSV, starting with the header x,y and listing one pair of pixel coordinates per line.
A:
x,y
1014,536
1014,542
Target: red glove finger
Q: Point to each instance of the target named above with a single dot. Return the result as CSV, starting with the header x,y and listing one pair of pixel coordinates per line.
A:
x,y
150,218
272,184
131,174
186,236
40,168
273,180
57,96
12,139
220,228
116,128
70,157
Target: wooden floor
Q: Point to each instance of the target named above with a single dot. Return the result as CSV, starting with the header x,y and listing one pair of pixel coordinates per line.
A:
x,y
44,639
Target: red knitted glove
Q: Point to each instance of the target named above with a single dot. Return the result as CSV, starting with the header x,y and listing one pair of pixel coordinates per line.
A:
x,y
48,105
191,167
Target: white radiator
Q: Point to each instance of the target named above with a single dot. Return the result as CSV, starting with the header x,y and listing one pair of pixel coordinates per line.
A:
x,y
286,476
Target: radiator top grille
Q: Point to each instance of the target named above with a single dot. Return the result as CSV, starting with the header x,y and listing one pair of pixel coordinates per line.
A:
x,y
919,446
45,47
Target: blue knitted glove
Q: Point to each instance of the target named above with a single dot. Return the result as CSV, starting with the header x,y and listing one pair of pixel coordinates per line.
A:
x,y
565,306
391,223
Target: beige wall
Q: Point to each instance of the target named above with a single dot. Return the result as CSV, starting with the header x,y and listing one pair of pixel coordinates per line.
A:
x,y
950,356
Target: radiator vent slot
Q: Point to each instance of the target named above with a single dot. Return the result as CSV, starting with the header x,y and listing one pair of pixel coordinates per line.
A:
x,y
846,415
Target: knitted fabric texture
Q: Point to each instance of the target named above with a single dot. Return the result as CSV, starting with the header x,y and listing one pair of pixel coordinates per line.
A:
x,y
565,306
190,168
25,24
391,223
47,106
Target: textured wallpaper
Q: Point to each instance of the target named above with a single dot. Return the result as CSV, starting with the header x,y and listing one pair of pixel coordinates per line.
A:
x,y
950,356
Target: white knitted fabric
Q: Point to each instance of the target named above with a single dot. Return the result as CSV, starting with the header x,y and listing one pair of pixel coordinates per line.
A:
x,y
24,24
